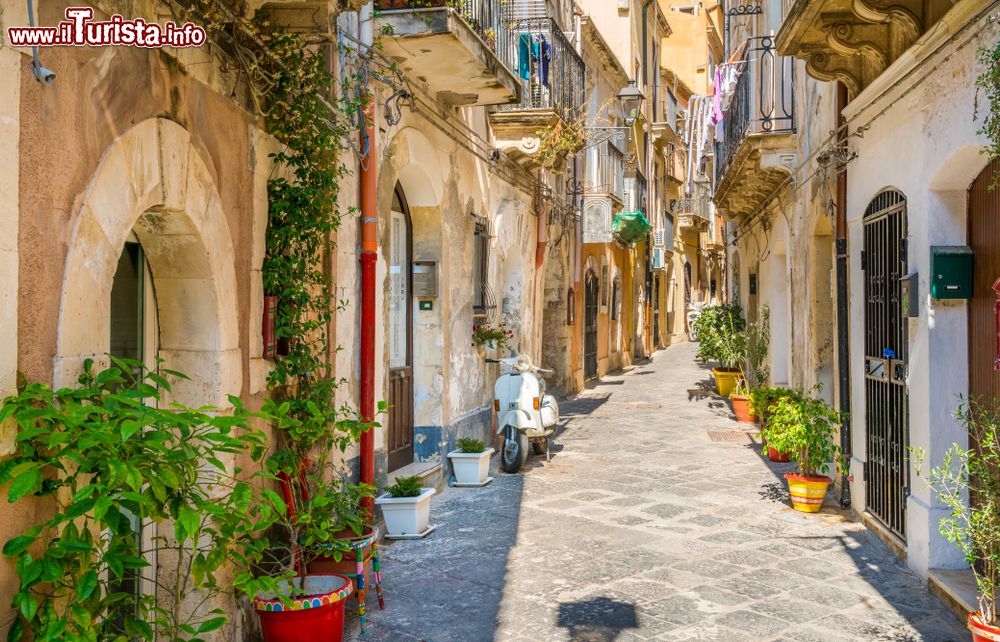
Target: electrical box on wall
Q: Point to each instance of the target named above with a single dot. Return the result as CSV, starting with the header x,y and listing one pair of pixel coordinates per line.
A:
x,y
951,272
425,279
909,296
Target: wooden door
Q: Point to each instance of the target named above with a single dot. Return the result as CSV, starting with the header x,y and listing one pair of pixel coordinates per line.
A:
x,y
590,327
984,239
400,420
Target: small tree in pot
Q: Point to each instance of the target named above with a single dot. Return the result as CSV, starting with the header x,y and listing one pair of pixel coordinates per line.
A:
x,y
752,344
804,427
760,403
720,338
968,483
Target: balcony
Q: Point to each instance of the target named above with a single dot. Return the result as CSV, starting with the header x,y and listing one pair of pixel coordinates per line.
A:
x,y
757,152
854,41
552,82
693,213
461,51
604,191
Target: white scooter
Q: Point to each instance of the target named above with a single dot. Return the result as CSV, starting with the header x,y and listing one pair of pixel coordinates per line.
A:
x,y
694,311
524,412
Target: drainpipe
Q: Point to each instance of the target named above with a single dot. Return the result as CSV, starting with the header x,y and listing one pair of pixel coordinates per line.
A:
x,y
542,233
843,352
369,256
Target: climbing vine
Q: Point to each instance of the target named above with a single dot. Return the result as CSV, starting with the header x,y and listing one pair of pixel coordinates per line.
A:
x,y
989,82
564,137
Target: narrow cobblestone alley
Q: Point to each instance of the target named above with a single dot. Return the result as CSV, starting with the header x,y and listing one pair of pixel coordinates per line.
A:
x,y
642,528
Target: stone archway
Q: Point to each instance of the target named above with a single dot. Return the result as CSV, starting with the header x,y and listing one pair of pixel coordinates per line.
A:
x,y
153,181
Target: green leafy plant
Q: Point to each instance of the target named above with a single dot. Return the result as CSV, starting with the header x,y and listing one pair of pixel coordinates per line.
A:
x,y
989,82
565,136
484,333
714,323
109,461
469,445
763,397
804,427
406,487
968,482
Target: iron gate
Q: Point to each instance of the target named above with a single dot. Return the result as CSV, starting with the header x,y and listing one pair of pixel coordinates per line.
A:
x,y
590,328
886,411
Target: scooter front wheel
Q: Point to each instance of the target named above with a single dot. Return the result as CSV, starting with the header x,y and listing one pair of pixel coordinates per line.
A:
x,y
515,450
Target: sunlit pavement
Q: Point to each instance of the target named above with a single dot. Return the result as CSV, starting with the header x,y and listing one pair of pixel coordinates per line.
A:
x,y
643,528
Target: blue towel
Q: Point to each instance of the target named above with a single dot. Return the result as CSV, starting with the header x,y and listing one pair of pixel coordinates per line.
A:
x,y
524,56
546,58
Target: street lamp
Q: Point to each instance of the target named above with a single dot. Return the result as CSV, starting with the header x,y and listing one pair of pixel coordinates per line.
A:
x,y
631,100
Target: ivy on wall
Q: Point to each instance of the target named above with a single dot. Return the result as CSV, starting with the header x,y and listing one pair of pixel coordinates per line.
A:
x,y
989,82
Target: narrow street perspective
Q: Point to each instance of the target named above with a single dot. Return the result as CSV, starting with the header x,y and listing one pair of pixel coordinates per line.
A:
x,y
642,527
499,320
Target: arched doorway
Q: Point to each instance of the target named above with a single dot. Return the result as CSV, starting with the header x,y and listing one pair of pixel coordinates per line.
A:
x,y
886,347
399,434
591,303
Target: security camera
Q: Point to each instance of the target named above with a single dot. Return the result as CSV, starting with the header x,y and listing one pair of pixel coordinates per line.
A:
x,y
45,76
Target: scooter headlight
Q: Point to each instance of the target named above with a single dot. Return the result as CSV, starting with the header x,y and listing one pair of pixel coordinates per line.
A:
x,y
536,402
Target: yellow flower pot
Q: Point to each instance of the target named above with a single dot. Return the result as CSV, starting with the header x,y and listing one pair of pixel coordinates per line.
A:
x,y
725,381
807,492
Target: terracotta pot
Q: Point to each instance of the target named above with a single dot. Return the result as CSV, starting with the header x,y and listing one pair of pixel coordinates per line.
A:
x,y
741,408
807,493
982,632
348,564
316,617
775,456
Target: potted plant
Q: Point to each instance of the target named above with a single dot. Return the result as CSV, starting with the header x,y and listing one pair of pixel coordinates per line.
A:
x,y
751,348
804,427
718,330
968,483
471,462
406,507
760,402
115,467
491,336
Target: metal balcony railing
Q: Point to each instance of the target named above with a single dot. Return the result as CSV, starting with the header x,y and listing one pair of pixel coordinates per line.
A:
x,y
762,103
485,17
606,170
551,72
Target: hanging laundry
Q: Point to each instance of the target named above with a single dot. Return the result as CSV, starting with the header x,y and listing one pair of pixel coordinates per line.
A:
x,y
546,48
524,56
717,114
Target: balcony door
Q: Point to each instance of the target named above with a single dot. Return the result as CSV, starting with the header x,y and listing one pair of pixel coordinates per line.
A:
x,y
400,420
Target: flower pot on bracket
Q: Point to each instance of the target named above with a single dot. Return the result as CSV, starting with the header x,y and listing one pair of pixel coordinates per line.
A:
x,y
726,380
471,469
741,408
407,517
982,632
807,493
317,616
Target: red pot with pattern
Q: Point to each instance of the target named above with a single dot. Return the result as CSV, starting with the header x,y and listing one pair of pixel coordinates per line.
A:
x,y
317,616
775,456
982,632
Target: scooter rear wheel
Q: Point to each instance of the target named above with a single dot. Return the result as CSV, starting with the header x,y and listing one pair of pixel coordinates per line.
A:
x,y
515,451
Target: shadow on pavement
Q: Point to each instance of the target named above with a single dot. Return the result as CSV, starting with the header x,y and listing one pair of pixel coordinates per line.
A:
x,y
598,619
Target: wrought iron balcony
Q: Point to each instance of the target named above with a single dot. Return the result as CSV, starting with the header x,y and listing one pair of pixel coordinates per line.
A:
x,y
753,156
604,191
462,51
552,78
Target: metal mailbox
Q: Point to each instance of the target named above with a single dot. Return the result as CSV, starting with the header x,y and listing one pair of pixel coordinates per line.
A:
x,y
951,272
909,300
425,279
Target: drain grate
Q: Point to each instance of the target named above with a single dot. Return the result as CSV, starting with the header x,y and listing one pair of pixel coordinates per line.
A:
x,y
730,436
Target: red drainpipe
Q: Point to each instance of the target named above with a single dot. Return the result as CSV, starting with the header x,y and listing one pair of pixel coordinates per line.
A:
x,y
369,255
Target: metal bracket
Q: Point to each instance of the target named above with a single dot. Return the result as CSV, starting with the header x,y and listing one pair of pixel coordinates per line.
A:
x,y
597,135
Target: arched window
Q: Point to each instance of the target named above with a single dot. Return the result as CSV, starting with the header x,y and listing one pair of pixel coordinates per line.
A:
x,y
616,298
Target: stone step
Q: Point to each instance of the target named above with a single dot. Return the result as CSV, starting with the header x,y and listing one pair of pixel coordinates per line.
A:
x,y
956,588
428,471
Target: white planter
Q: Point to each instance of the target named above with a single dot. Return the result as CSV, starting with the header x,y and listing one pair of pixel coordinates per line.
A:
x,y
406,517
471,469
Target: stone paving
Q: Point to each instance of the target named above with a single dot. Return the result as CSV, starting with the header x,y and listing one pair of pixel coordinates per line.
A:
x,y
642,528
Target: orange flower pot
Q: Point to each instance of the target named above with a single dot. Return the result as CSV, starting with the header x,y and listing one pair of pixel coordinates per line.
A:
x,y
741,408
775,456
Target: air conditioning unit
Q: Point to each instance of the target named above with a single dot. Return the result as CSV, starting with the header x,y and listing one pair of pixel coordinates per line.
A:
x,y
623,5
660,237
659,259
